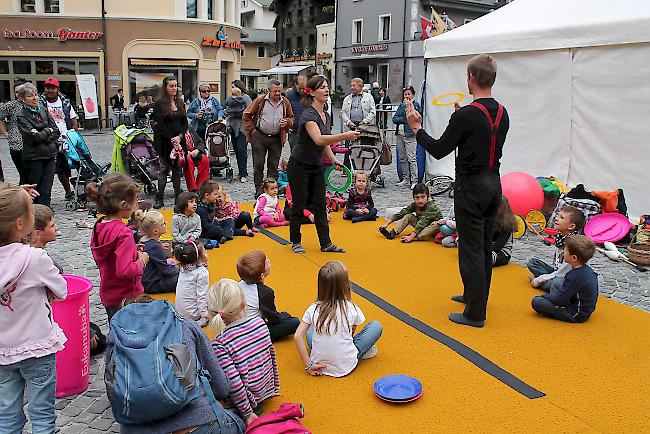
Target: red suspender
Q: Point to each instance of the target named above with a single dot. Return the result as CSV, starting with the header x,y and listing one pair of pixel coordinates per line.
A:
x,y
494,127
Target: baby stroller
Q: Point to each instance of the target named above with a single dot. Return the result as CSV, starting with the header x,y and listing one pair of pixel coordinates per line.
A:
x,y
80,160
366,150
133,153
219,147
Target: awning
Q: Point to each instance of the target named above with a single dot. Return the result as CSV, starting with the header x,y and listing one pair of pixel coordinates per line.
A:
x,y
252,73
286,70
162,62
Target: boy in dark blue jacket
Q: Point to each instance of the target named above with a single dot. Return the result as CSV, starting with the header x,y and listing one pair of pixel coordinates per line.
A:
x,y
576,300
160,275
210,230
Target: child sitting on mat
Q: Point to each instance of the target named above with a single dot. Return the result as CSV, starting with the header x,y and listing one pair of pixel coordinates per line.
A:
x,y
576,299
267,207
283,178
230,218
360,206
502,239
193,282
29,337
423,214
186,223
569,221
111,241
253,268
448,235
308,216
244,349
210,230
329,324
161,275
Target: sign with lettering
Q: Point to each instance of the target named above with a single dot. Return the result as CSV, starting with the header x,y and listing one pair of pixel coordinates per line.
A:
x,y
369,48
62,34
222,41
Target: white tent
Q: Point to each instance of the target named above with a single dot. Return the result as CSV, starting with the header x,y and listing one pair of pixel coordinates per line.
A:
x,y
575,78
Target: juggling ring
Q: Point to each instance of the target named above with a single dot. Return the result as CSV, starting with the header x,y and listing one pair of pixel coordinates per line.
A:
x,y
345,186
460,96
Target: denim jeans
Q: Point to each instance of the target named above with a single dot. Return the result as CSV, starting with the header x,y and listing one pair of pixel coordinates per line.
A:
x,y
228,227
539,267
283,328
241,153
232,424
446,231
546,307
40,376
363,340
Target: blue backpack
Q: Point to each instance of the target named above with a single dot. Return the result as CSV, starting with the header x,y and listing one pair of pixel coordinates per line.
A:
x,y
150,374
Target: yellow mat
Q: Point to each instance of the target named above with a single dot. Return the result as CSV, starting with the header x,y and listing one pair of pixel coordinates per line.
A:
x,y
594,375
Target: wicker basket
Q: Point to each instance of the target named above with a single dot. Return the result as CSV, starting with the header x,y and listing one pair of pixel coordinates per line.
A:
x,y
639,253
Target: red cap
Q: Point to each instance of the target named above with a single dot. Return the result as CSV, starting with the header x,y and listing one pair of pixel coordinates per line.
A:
x,y
51,81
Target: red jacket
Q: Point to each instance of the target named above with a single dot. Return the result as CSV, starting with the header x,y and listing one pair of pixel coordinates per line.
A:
x,y
116,256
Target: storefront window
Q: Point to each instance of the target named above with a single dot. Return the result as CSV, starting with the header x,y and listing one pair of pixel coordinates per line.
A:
x,y
4,67
190,86
45,67
5,92
191,9
65,67
89,68
69,89
210,10
22,67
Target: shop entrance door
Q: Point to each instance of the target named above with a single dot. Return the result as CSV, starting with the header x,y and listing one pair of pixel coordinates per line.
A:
x,y
223,87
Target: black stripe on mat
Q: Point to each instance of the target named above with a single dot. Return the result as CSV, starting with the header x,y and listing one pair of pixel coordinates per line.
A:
x,y
461,349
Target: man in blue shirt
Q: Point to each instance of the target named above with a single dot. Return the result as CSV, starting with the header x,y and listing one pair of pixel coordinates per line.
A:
x,y
294,96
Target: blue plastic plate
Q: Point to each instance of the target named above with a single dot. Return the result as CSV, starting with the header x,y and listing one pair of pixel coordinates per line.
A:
x,y
398,387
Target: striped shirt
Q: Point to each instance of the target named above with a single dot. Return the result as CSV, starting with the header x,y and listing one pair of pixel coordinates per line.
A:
x,y
247,357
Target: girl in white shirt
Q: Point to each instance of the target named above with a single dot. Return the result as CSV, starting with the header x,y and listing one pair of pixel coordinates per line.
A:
x,y
329,325
193,282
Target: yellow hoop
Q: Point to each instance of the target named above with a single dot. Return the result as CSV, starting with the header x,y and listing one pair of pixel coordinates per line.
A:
x,y
459,97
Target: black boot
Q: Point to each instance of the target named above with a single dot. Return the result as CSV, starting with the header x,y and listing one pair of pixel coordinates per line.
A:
x,y
159,203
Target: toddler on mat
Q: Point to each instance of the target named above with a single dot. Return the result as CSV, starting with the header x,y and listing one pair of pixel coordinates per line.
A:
x,y
267,207
360,206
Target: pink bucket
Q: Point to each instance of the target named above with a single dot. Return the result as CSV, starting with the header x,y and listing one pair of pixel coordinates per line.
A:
x,y
72,315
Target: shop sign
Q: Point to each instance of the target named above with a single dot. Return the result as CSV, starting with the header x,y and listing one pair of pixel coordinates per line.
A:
x,y
369,48
114,78
222,41
62,34
323,58
214,87
303,58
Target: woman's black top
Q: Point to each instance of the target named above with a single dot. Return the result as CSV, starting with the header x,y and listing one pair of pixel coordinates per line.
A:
x,y
43,144
166,127
306,151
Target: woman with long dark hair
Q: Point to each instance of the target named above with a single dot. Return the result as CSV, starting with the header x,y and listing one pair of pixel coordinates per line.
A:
x,y
168,132
305,169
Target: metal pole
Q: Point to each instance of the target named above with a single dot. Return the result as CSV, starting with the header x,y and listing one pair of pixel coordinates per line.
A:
x,y
103,78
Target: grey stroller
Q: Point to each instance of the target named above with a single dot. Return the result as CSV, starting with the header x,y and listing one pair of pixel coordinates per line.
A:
x,y
366,151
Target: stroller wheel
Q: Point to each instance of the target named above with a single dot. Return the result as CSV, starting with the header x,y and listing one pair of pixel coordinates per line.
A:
x,y
380,181
150,189
230,174
71,205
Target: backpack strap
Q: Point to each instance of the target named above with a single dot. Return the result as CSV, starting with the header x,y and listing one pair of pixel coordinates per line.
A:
x,y
494,127
203,377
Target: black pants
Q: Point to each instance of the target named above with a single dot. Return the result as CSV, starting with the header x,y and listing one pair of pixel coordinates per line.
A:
x,y
293,139
110,312
546,307
241,153
243,219
41,173
165,167
476,201
17,158
212,231
284,328
308,186
351,214
265,149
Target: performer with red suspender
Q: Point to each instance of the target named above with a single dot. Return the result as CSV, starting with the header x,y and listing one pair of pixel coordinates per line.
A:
x,y
478,131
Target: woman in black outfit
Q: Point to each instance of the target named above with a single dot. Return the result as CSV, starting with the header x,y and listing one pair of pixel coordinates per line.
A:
x,y
168,132
305,169
384,103
40,135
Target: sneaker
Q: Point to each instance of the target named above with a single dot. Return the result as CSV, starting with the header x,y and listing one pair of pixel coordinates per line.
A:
x,y
69,195
372,352
242,179
388,234
402,183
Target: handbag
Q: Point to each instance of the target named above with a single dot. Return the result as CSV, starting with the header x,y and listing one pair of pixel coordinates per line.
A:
x,y
386,158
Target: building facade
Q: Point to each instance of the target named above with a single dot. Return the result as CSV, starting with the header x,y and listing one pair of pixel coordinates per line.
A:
x,y
296,34
325,34
378,40
132,46
258,35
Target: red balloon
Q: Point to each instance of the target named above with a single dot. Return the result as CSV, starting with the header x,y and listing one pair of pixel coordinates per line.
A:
x,y
523,192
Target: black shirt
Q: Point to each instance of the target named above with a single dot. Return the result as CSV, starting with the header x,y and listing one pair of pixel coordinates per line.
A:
x,y
166,127
306,151
579,293
469,131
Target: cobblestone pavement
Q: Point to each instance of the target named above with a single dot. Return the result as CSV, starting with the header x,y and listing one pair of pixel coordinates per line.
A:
x,y
90,412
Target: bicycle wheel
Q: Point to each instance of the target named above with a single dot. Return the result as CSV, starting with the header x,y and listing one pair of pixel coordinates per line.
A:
x,y
536,220
521,227
440,184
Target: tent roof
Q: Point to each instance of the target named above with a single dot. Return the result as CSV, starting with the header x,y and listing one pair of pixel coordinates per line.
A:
x,y
531,25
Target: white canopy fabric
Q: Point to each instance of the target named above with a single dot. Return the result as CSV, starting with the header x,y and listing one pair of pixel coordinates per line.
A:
x,y
293,69
572,75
